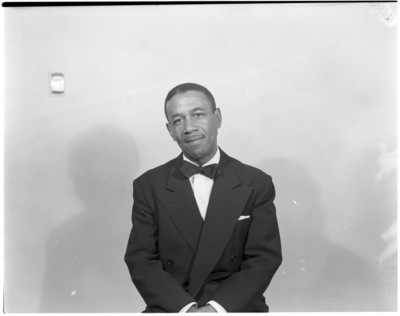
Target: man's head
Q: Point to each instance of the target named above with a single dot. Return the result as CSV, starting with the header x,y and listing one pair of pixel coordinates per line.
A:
x,y
193,121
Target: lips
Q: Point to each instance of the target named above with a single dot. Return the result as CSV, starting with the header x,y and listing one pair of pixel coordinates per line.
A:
x,y
193,139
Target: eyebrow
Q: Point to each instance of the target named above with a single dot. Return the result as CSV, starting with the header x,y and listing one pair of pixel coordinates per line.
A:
x,y
193,110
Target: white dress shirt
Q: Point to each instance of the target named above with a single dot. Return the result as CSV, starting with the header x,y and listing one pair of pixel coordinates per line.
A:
x,y
202,187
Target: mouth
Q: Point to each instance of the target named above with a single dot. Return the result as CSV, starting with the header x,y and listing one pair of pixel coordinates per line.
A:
x,y
193,140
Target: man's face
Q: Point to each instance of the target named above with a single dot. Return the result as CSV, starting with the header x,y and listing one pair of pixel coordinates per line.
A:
x,y
193,125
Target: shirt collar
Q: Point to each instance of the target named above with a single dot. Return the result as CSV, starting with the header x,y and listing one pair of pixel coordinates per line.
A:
x,y
214,159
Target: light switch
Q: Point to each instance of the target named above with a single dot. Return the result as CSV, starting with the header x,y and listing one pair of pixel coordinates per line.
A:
x,y
57,83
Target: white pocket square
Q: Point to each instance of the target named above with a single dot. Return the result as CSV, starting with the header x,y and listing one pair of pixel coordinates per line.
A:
x,y
243,217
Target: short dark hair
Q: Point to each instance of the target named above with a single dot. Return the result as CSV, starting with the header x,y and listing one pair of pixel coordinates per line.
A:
x,y
185,87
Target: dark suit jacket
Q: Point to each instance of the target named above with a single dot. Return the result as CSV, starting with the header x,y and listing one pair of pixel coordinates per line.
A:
x,y
175,258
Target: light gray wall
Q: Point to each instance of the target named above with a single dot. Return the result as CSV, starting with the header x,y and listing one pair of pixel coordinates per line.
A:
x,y
307,94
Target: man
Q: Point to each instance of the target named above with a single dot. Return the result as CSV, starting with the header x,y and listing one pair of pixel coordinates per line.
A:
x,y
203,239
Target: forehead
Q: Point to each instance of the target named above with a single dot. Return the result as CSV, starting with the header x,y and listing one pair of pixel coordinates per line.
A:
x,y
187,101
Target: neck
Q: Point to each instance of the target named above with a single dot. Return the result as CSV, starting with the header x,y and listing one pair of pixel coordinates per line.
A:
x,y
203,160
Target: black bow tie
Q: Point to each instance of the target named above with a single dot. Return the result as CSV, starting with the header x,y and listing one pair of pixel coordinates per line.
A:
x,y
210,171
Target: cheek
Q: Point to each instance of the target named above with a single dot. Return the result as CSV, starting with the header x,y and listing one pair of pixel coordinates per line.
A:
x,y
213,132
175,132
178,138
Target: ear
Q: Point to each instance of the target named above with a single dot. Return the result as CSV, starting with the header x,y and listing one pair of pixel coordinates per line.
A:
x,y
218,116
170,131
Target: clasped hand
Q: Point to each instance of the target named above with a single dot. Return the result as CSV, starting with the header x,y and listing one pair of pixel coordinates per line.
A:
x,y
203,309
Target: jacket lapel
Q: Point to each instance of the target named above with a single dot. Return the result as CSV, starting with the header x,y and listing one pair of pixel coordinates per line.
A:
x,y
180,203
226,204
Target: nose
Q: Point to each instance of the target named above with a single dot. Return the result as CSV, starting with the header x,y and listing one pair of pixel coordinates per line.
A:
x,y
190,126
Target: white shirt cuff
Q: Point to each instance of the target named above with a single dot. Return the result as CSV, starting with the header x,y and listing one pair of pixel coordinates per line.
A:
x,y
217,307
185,309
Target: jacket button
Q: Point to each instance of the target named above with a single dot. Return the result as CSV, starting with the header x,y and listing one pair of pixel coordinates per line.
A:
x,y
233,258
170,262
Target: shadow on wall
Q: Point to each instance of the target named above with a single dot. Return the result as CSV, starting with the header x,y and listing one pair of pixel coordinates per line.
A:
x,y
316,276
85,271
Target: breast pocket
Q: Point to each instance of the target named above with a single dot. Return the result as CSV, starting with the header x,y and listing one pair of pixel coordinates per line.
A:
x,y
240,234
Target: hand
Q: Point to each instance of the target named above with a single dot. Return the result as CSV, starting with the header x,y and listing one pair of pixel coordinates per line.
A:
x,y
192,309
205,309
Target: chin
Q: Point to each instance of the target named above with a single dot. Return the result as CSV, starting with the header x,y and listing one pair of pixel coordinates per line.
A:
x,y
194,155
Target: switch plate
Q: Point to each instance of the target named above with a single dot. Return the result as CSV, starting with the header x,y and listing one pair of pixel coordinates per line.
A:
x,y
57,83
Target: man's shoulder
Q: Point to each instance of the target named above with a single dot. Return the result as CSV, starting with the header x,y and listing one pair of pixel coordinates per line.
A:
x,y
157,173
248,172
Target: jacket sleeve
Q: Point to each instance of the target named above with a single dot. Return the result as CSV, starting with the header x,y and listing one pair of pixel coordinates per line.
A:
x,y
160,291
261,257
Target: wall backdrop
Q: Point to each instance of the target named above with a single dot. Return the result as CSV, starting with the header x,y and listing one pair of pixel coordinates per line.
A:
x,y
308,94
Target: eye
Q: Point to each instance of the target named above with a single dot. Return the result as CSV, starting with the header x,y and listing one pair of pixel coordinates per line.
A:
x,y
177,121
199,115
